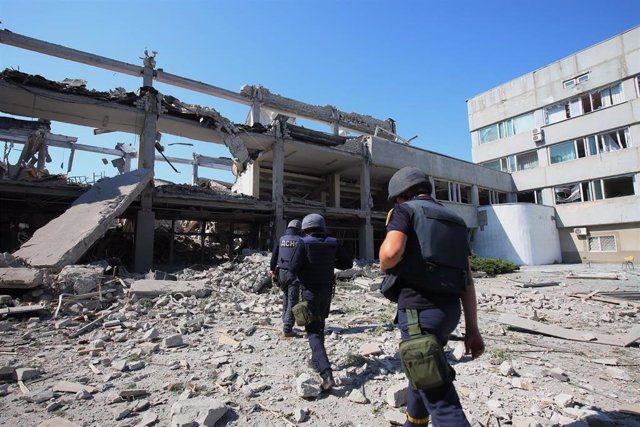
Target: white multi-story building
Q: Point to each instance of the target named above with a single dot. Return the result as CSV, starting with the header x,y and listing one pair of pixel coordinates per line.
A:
x,y
569,135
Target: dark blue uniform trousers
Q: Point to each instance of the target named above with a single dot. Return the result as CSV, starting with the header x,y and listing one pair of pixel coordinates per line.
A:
x,y
289,299
442,404
320,302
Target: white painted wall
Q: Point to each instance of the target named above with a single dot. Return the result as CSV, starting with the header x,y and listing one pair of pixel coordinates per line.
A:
x,y
522,233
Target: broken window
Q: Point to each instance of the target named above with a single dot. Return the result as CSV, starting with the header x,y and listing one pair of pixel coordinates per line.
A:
x,y
602,244
586,103
607,188
589,146
568,193
613,141
618,187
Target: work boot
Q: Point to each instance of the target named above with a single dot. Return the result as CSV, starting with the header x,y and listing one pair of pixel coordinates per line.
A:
x,y
289,334
327,381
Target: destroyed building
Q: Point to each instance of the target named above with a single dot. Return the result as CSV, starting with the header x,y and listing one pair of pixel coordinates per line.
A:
x,y
282,170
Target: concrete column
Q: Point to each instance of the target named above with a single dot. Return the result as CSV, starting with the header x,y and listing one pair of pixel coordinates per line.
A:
x,y
145,227
194,169
334,190
365,235
145,218
42,157
255,113
277,185
475,196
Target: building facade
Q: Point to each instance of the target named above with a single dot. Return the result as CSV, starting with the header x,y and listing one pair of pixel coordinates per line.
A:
x,y
569,135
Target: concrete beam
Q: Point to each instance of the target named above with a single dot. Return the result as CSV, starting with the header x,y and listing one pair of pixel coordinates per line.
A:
x,y
24,42
66,238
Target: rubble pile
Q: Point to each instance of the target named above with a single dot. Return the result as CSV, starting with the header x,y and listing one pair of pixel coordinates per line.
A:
x,y
204,347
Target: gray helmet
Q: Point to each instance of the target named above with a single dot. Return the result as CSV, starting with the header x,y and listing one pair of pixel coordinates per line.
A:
x,y
404,179
313,220
295,223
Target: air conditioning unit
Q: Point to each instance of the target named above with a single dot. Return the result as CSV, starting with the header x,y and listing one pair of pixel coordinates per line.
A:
x,y
538,135
582,231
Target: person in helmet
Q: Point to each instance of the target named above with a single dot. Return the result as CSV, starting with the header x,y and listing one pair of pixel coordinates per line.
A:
x,y
426,250
313,264
281,255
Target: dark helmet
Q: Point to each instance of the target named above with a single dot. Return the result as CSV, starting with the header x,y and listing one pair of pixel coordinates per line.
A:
x,y
404,179
313,220
295,223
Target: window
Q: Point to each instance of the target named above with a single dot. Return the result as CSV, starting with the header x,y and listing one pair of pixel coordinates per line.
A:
x,y
599,189
452,192
491,197
533,196
562,152
574,81
441,189
583,104
526,160
589,146
602,244
514,163
488,134
509,127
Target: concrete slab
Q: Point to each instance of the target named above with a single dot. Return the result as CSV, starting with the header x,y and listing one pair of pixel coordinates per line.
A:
x,y
21,278
153,288
66,238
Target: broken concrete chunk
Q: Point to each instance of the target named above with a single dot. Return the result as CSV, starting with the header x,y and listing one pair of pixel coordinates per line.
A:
x,y
307,387
81,278
173,341
7,373
507,370
397,395
458,352
24,374
41,396
618,374
83,395
21,278
137,365
71,387
151,334
395,417
563,400
204,411
152,288
369,349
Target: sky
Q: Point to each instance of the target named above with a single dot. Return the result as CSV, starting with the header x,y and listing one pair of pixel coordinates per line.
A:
x,y
414,61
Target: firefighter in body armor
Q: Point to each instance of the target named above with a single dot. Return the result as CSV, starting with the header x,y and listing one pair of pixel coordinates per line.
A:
x,y
280,273
426,252
313,263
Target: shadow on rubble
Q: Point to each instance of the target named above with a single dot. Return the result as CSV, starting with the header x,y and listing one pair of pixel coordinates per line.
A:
x,y
607,418
351,330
